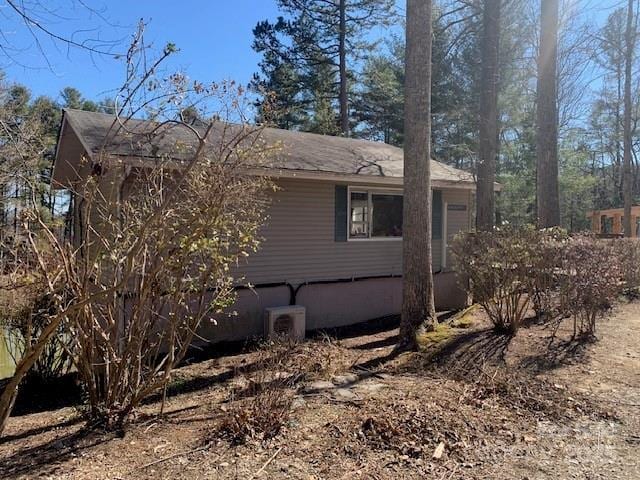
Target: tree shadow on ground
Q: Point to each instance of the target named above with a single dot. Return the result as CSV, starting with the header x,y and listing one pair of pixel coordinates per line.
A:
x,y
553,354
468,353
42,459
40,430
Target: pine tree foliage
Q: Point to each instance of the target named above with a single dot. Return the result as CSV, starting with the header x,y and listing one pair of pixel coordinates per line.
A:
x,y
311,42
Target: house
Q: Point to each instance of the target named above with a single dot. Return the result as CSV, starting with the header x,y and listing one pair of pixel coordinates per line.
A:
x,y
610,222
333,239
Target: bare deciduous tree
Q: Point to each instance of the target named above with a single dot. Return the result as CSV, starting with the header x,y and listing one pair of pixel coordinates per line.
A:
x,y
37,19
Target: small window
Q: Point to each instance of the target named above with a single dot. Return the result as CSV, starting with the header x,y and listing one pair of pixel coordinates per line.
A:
x,y
375,215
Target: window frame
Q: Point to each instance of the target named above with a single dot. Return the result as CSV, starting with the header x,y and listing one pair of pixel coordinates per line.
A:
x,y
369,191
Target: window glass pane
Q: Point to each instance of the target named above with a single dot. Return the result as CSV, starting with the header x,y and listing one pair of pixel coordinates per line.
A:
x,y
359,216
359,197
387,215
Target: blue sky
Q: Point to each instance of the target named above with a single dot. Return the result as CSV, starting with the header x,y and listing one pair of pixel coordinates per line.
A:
x,y
214,37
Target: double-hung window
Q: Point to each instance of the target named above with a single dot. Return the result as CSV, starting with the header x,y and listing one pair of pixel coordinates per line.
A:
x,y
375,214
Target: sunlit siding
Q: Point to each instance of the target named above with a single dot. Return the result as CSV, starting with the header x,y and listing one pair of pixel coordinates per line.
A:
x,y
457,220
299,240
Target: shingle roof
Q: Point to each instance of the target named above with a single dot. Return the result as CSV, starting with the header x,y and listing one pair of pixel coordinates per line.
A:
x,y
299,151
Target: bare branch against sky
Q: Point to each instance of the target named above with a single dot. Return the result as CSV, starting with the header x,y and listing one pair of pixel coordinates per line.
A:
x,y
32,29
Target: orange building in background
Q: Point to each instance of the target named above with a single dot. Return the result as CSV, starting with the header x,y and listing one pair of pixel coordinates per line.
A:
x,y
610,222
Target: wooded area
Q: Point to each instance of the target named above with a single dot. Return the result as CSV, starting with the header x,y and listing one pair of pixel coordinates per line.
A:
x,y
588,105
346,78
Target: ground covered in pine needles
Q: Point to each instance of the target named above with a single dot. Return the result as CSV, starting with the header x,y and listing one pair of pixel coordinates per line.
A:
x,y
471,405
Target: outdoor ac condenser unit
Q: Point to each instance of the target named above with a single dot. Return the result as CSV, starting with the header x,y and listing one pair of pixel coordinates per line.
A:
x,y
287,322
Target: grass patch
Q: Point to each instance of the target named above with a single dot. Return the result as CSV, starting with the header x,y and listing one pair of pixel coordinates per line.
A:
x,y
466,318
442,333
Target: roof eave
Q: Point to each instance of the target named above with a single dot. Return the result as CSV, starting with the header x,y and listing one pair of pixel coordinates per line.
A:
x,y
317,175
354,178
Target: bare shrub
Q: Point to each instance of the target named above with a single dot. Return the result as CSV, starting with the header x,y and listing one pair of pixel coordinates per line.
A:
x,y
310,360
155,239
590,283
560,276
26,276
261,405
546,260
627,256
499,268
34,302
164,264
259,417
25,324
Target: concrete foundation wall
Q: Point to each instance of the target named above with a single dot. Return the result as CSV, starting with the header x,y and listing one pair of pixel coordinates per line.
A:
x,y
328,305
246,318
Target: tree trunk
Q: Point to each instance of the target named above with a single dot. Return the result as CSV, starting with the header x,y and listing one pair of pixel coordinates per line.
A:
x,y
9,394
418,310
485,200
344,99
547,118
626,177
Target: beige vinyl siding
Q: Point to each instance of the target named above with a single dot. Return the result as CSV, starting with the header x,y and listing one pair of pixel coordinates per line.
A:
x,y
457,220
299,243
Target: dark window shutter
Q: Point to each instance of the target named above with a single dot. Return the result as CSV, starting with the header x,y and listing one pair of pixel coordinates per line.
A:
x,y
436,218
341,213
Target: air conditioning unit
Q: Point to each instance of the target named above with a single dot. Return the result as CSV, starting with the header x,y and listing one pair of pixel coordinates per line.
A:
x,y
285,322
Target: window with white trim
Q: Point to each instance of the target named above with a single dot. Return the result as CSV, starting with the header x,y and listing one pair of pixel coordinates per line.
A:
x,y
375,214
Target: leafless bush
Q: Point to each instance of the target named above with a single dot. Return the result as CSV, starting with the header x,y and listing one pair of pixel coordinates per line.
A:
x,y
164,267
498,266
24,325
560,276
311,360
32,301
259,417
590,283
262,405
156,238
627,255
546,260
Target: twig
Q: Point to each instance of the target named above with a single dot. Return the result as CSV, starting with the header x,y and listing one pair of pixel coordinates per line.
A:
x,y
369,371
355,401
624,404
451,474
175,455
266,464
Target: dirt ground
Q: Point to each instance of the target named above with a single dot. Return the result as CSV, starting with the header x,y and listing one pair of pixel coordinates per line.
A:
x,y
472,405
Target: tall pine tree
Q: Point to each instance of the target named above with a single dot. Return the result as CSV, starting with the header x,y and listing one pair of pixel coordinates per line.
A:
x,y
311,38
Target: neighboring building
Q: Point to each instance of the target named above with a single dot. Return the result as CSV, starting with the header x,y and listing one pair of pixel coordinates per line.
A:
x,y
333,239
610,222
